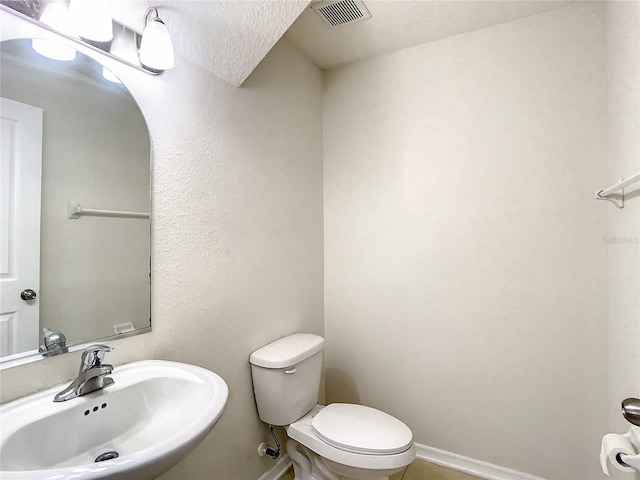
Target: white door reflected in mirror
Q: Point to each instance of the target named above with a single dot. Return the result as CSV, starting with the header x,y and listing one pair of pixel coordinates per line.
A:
x,y
20,177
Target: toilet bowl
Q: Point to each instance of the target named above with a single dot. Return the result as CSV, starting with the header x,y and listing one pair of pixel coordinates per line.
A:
x,y
336,442
353,441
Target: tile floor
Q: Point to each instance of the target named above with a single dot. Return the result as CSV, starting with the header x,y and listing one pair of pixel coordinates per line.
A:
x,y
418,470
421,470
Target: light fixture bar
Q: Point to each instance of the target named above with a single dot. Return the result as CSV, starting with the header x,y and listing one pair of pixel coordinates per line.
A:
x,y
77,40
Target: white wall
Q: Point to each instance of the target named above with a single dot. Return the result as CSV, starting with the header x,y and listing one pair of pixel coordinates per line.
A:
x,y
94,272
623,238
465,273
236,237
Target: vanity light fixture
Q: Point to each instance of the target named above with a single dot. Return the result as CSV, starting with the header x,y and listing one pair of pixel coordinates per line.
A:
x,y
156,49
56,15
88,24
92,19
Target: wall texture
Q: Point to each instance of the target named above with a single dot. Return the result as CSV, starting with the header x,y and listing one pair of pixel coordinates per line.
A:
x,y
623,238
236,237
465,273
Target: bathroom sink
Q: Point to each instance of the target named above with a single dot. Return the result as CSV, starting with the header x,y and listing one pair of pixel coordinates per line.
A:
x,y
152,416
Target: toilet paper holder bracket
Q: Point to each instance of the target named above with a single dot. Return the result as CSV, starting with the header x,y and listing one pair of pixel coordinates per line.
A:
x,y
626,460
619,459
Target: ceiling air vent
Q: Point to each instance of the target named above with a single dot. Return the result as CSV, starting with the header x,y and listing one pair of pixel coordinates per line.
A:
x,y
341,12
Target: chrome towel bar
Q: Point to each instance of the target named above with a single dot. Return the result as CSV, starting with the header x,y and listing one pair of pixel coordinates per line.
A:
x,y
75,211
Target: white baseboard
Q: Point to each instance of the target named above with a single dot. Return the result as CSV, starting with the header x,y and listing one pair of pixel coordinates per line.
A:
x,y
469,465
433,455
275,472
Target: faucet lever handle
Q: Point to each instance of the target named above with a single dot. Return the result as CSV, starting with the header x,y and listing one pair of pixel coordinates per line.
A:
x,y
93,356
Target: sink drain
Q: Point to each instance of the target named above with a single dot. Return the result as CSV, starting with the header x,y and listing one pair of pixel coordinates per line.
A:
x,y
107,456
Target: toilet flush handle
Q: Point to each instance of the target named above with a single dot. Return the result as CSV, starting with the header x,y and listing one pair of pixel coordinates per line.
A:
x,y
291,370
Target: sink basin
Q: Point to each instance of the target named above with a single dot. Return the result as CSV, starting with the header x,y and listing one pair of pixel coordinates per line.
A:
x,y
152,416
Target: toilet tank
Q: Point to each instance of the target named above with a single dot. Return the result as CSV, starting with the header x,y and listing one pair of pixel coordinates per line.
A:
x,y
286,377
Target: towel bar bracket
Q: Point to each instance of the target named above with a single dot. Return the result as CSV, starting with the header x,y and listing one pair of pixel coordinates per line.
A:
x,y
615,193
616,198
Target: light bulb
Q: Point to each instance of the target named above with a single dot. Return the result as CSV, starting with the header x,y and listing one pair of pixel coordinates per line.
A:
x,y
156,49
92,19
56,16
53,49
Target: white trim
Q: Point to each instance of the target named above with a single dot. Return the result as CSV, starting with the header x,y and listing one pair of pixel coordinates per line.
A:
x,y
469,465
275,472
434,455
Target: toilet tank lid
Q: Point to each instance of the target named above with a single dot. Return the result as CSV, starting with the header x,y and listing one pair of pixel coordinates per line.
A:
x,y
287,351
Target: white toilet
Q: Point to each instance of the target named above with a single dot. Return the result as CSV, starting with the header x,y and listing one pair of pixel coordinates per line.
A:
x,y
337,442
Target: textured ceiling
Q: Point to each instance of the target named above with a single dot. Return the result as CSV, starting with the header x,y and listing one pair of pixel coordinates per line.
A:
x,y
228,38
397,24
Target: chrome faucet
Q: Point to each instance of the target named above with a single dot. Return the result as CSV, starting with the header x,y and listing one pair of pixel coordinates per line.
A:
x,y
92,375
55,343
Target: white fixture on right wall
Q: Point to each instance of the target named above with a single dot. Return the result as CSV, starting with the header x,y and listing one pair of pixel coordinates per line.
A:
x,y
605,194
619,457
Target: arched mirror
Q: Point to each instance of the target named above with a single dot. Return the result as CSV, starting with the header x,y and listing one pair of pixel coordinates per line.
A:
x,y
75,186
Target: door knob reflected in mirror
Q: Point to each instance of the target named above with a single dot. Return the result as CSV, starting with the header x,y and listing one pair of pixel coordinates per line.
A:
x,y
28,294
631,410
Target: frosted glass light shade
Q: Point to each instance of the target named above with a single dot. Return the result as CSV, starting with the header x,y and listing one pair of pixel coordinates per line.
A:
x,y
55,15
53,49
156,49
92,19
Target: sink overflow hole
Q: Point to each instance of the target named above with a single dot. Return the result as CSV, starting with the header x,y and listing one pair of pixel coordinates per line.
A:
x,y
107,456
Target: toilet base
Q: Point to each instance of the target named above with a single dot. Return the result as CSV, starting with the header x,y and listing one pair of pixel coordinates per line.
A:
x,y
308,465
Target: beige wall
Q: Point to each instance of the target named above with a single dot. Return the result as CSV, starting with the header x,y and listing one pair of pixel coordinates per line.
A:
x,y
94,272
236,237
623,238
465,273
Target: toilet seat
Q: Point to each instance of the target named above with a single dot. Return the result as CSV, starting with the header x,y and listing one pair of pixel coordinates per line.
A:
x,y
360,429
302,431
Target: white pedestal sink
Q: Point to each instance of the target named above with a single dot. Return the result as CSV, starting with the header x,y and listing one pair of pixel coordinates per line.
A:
x,y
152,416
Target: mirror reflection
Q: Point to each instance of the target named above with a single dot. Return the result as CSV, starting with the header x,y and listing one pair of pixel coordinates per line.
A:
x,y
74,206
